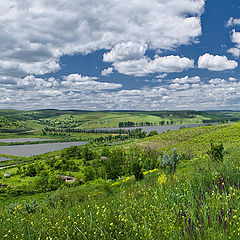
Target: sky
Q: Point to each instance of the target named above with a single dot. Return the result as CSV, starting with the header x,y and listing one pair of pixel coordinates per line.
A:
x,y
120,54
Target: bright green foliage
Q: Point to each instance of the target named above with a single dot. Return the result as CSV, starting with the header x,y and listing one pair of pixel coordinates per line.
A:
x,y
89,174
114,165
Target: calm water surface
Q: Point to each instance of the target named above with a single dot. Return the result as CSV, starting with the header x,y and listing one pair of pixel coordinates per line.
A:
x,y
20,140
159,129
29,150
3,159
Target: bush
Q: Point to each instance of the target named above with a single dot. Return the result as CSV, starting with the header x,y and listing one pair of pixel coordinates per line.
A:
x,y
169,161
89,174
137,169
216,152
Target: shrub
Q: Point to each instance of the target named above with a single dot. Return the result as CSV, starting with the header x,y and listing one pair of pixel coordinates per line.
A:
x,y
216,152
169,161
137,169
89,174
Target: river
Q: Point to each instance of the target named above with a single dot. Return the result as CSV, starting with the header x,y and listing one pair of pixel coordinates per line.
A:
x,y
29,150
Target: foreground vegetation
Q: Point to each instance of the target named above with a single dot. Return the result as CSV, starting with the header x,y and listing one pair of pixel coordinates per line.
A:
x,y
141,189
199,201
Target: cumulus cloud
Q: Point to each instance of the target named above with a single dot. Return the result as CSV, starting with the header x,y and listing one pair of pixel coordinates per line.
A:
x,y
35,34
179,86
72,83
125,51
232,22
77,81
107,71
159,64
216,63
78,78
216,81
187,79
216,93
232,79
234,51
161,76
235,38
32,81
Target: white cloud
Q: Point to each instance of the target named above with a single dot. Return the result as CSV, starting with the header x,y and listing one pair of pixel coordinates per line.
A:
x,y
35,34
179,86
125,51
214,94
232,79
170,64
133,67
187,79
161,76
232,22
216,81
78,78
85,83
234,51
216,63
32,81
235,38
146,65
107,71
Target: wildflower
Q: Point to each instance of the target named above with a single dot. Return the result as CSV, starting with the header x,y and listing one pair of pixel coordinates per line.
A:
x,y
162,179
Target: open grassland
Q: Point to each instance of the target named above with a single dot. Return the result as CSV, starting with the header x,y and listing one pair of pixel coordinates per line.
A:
x,y
93,120
22,121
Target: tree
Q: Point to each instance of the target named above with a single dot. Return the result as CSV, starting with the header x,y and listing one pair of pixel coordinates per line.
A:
x,y
114,164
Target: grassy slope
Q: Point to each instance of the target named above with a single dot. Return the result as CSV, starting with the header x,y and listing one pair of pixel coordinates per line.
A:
x,y
37,120
112,119
196,140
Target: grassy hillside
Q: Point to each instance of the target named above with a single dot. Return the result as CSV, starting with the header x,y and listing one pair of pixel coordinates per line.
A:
x,y
37,120
195,141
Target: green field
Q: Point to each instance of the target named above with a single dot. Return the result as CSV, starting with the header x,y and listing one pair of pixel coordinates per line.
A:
x,y
34,121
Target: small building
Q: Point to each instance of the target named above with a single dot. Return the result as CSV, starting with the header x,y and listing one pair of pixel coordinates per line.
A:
x,y
103,158
67,178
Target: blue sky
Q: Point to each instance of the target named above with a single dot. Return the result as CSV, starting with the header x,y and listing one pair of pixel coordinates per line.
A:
x,y
120,55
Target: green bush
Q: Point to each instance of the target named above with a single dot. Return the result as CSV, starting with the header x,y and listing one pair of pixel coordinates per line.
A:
x,y
89,174
216,152
137,170
169,161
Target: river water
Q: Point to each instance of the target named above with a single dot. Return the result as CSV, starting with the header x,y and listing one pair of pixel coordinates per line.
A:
x,y
159,129
21,140
29,150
